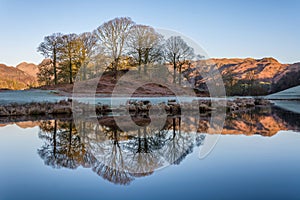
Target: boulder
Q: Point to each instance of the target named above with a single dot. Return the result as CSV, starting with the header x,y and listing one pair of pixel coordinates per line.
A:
x,y
261,102
61,110
3,111
204,108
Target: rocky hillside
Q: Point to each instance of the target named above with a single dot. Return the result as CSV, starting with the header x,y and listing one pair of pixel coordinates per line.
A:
x,y
265,69
15,78
29,68
243,76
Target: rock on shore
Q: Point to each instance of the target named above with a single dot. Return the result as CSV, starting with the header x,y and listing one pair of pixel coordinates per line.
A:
x,y
171,107
42,108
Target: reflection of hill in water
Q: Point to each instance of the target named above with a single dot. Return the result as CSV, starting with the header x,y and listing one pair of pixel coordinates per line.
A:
x,y
261,121
265,121
290,119
120,157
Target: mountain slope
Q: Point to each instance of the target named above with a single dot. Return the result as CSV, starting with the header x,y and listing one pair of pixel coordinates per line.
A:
x,y
29,68
14,78
267,74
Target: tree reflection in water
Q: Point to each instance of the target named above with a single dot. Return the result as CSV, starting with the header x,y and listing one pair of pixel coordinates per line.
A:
x,y
113,154
120,157
63,146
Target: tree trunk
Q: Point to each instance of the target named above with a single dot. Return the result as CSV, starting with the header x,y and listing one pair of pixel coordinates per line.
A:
x,y
54,66
145,63
115,137
83,63
174,128
174,73
116,62
180,66
70,71
179,125
146,146
139,68
145,69
54,138
70,136
139,149
140,62
84,72
174,67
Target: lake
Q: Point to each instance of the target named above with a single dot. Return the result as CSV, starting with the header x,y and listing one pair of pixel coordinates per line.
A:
x,y
256,157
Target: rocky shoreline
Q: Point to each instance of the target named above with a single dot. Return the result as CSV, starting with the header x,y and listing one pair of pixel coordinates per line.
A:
x,y
171,107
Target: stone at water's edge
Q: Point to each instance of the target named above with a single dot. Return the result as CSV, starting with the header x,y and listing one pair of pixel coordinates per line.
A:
x,y
172,107
240,104
44,108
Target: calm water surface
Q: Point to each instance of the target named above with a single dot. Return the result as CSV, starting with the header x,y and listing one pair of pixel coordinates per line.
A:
x,y
257,156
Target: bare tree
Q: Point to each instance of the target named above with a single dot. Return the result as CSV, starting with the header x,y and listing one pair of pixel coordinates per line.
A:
x,y
87,43
100,61
177,52
50,48
144,45
112,36
70,55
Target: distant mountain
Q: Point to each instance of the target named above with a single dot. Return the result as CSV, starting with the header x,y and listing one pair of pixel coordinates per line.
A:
x,y
267,74
266,69
29,68
15,78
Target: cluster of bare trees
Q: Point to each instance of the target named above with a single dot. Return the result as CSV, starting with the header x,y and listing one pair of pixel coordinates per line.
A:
x,y
66,54
115,45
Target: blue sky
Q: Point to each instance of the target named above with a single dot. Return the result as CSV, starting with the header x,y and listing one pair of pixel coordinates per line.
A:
x,y
223,28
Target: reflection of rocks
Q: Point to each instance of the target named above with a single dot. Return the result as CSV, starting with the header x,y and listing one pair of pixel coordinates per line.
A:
x,y
241,104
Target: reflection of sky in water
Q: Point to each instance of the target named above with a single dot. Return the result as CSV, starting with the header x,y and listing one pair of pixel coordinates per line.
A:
x,y
238,167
